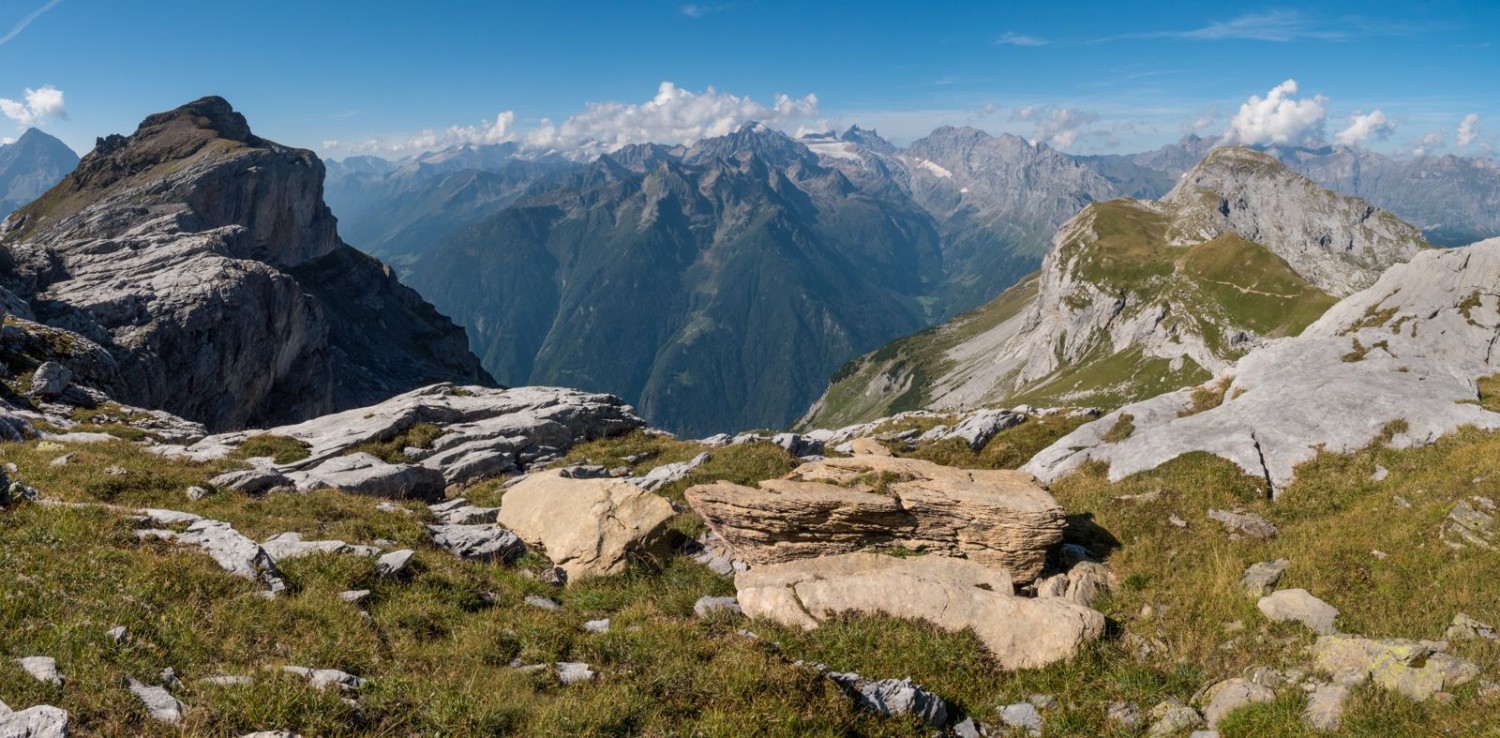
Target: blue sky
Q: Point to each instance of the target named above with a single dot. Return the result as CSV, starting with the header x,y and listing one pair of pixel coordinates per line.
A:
x,y
347,77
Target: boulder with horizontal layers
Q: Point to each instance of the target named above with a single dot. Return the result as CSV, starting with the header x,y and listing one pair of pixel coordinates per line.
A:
x,y
1001,519
589,527
952,594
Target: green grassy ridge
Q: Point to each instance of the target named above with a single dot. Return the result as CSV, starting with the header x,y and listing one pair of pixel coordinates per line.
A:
x,y
1212,290
436,649
918,359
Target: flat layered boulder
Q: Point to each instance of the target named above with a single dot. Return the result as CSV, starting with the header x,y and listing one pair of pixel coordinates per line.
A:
x,y
589,527
1001,519
953,594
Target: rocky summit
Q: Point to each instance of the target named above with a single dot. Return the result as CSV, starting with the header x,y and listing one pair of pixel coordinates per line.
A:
x,y
203,261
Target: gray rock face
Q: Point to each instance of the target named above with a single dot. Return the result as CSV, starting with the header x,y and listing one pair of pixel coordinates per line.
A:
x,y
484,432
1409,349
1416,669
1338,248
1233,694
1471,522
203,258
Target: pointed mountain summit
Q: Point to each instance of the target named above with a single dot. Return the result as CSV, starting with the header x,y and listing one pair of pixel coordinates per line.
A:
x,y
205,261
30,166
1141,297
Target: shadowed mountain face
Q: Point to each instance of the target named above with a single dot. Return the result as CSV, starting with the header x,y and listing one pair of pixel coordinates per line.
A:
x,y
30,166
573,304
204,259
715,286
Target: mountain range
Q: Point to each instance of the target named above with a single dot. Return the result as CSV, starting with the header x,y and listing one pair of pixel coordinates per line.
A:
x,y
653,271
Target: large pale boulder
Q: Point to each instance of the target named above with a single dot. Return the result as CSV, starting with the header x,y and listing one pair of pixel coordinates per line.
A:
x,y
1001,519
41,721
589,527
1412,668
952,594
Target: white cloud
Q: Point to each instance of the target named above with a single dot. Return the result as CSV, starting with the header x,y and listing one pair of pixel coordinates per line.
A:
x,y
43,103
1428,144
1276,25
1058,127
6,140
1467,130
1011,38
1362,126
673,116
1280,118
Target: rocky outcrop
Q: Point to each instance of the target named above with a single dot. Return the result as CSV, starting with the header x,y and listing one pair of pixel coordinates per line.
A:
x,y
203,259
952,594
1000,519
589,527
477,432
1400,362
1416,669
41,721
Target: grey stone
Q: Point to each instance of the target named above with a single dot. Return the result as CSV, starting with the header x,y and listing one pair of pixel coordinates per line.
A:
x,y
118,634
1022,716
1175,720
893,697
1260,578
666,474
1233,694
478,542
321,679
365,474
572,672
543,603
42,669
290,545
227,680
1124,713
255,481
596,626
1244,523
41,721
354,596
706,606
159,703
393,565
232,551
50,380
977,429
64,460
1301,606
1466,628
1470,523
196,493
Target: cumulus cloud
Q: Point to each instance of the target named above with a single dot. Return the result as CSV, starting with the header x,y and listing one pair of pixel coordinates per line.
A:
x,y
1011,38
1468,130
1363,126
1279,118
35,106
1057,127
6,140
673,116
